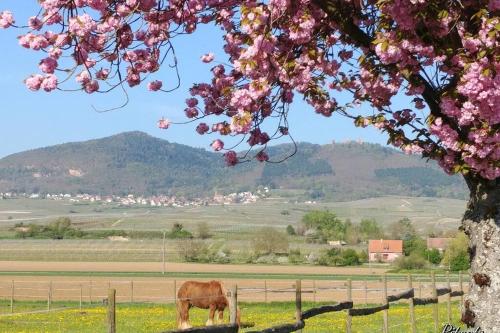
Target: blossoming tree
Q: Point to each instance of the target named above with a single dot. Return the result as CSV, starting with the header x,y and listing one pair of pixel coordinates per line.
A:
x,y
443,54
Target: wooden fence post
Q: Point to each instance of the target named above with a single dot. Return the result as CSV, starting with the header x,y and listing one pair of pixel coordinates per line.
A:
x,y
412,306
265,291
90,291
366,292
49,296
420,289
111,311
175,291
233,304
448,297
131,291
435,305
349,299
386,311
81,296
460,281
298,300
314,291
12,297
163,255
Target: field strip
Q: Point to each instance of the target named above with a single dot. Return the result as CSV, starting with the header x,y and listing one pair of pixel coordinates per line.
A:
x,y
243,276
35,266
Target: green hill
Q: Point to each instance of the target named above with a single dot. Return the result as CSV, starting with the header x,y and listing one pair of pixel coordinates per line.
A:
x,y
138,163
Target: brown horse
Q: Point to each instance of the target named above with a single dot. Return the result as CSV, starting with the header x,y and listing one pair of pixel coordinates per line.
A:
x,y
204,295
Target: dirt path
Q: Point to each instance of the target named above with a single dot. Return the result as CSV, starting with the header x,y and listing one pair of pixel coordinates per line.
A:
x,y
33,266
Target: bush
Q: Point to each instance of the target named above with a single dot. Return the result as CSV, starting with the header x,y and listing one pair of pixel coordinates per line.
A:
x,y
203,230
59,229
456,255
178,231
295,257
290,230
350,257
330,257
325,224
363,256
193,251
460,262
433,256
414,245
269,240
413,261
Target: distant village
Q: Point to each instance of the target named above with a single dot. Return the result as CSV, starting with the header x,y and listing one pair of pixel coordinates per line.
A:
x,y
150,201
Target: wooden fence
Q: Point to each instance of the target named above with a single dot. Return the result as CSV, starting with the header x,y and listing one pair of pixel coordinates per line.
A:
x,y
352,309
301,316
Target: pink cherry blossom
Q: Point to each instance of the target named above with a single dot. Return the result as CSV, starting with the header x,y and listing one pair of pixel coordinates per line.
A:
x,y
202,128
34,82
217,145
163,123
49,83
262,156
48,65
6,19
207,57
155,85
231,158
277,52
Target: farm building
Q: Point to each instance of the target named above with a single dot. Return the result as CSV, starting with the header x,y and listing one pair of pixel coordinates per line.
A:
x,y
438,243
385,250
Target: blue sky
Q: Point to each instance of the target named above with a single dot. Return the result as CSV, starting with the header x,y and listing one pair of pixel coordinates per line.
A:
x,y
32,120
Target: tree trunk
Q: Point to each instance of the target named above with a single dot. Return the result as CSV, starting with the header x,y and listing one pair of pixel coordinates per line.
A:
x,y
481,223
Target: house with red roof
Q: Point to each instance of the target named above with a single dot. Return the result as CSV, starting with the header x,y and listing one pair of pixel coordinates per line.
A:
x,y
438,243
385,250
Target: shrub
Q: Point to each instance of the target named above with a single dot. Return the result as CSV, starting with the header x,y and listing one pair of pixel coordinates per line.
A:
x,y
269,240
193,251
414,245
330,257
325,224
413,261
350,257
363,256
295,257
59,229
178,231
456,255
433,256
203,230
290,230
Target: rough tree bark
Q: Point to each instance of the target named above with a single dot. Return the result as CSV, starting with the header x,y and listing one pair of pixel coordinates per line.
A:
x,y
481,223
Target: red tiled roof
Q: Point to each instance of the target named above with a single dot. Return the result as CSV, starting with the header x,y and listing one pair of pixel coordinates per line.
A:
x,y
385,245
437,243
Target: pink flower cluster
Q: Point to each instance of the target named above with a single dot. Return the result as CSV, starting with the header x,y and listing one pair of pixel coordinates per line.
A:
x,y
279,50
6,19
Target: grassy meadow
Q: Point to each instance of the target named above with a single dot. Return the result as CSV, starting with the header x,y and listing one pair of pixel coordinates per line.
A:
x,y
151,318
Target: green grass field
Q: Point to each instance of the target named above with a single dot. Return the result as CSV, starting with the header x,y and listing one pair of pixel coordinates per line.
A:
x,y
152,318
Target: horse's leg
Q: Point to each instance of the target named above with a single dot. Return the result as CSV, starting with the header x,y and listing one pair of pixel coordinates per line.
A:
x,y
221,316
211,315
183,309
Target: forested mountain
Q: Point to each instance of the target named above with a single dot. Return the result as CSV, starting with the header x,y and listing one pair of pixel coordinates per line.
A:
x,y
137,163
